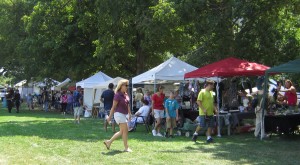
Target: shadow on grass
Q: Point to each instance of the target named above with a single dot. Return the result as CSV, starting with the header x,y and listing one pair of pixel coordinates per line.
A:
x,y
113,152
248,150
33,113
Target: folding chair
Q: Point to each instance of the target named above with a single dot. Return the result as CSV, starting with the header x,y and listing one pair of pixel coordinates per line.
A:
x,y
145,121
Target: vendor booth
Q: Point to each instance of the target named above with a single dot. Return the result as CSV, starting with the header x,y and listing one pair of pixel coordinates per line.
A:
x,y
88,85
170,73
282,123
228,67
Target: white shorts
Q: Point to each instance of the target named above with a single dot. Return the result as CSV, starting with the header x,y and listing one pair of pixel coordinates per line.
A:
x,y
159,113
120,117
78,111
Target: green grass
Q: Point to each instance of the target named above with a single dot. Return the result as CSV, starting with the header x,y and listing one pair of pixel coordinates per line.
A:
x,y
36,137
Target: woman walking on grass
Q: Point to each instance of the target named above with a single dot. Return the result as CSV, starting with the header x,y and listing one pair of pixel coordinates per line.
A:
x,y
120,109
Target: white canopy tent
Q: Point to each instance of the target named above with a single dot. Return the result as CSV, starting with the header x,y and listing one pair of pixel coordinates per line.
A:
x,y
88,85
93,80
168,72
173,69
60,85
98,89
20,84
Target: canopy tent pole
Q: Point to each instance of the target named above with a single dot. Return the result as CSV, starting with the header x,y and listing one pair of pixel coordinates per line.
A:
x,y
131,96
154,91
265,93
218,107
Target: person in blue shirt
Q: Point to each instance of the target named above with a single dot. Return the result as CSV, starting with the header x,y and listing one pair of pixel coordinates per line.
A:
x,y
107,98
77,104
171,108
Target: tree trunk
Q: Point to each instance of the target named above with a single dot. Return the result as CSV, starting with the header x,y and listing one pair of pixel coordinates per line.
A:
x,y
140,56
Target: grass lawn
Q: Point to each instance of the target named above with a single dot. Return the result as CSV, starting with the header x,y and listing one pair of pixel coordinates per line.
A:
x,y
36,137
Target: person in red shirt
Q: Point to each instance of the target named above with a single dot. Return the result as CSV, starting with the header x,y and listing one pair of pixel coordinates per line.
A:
x,y
158,110
290,95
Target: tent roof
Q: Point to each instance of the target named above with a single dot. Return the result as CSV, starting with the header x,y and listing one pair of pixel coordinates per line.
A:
x,y
106,83
21,83
227,68
289,67
60,85
93,80
172,69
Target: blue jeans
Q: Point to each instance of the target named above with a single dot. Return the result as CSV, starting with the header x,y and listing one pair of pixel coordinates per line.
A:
x,y
69,107
46,106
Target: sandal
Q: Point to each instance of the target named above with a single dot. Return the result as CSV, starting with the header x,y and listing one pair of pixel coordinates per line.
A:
x,y
128,150
107,147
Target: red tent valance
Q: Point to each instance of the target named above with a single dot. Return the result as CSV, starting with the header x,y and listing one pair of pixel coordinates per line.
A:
x,y
229,67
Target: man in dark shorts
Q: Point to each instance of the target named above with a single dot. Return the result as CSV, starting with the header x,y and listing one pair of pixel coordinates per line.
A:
x,y
207,108
107,98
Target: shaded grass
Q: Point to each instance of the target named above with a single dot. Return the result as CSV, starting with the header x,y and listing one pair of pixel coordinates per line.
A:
x,y
36,137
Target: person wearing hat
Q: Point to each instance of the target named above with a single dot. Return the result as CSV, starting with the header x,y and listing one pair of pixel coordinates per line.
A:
x,y
207,108
142,112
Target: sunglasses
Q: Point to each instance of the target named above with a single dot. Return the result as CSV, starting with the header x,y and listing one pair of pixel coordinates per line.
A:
x,y
126,85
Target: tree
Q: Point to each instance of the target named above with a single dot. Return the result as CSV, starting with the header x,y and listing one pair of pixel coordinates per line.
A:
x,y
261,31
135,35
11,33
76,38
60,37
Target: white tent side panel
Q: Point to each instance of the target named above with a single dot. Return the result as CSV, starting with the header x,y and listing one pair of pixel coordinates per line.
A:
x,y
88,85
88,97
98,89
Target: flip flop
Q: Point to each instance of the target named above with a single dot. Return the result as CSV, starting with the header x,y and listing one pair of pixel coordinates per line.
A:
x,y
107,147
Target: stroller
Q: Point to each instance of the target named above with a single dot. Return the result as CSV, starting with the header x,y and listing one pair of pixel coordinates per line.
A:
x,y
188,128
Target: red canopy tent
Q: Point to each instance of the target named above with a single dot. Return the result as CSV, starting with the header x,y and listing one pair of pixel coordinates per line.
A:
x,y
229,67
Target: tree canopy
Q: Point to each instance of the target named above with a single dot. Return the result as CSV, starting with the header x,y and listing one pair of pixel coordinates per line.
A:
x,y
76,38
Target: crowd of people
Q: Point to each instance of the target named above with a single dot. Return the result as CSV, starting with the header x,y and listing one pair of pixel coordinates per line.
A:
x,y
59,100
12,99
164,110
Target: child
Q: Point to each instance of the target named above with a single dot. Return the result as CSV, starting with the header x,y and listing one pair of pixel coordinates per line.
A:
x,y
171,107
